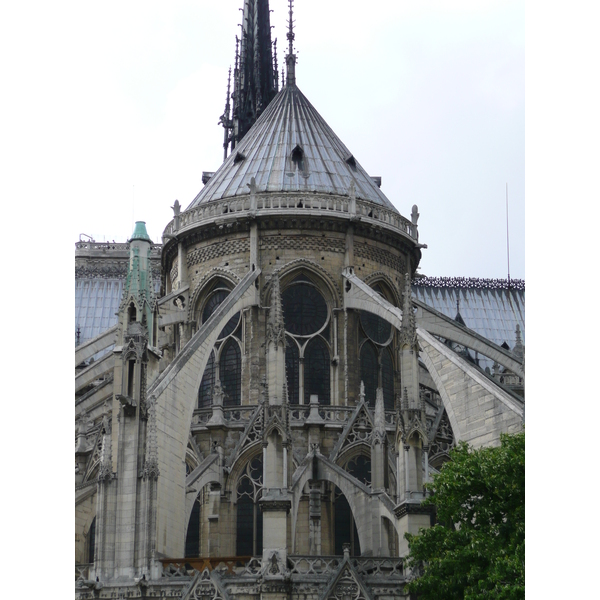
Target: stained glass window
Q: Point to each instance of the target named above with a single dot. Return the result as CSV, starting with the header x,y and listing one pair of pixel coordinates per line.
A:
x,y
316,371
211,306
292,371
230,373
206,385
304,309
375,327
387,379
360,467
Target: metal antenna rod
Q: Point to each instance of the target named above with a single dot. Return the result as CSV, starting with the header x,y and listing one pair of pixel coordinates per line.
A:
x,y
507,238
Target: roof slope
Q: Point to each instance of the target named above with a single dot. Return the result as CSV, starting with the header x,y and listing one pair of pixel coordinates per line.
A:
x,y
486,306
290,128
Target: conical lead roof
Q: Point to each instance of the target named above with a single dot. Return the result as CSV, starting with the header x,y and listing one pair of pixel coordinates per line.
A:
x,y
291,148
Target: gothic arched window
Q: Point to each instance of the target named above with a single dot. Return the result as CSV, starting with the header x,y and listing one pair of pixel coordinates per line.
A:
x,y
376,360
207,383
307,358
211,306
230,372
249,526
292,371
387,379
316,371
91,542
225,361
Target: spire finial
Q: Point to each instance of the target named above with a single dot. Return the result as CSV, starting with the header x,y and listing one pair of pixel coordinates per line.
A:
x,y
225,119
290,59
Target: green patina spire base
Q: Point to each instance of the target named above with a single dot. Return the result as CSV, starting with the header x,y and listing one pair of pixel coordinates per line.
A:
x,y
140,233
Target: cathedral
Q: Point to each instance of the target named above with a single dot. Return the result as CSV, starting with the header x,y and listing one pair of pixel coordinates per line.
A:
x,y
262,398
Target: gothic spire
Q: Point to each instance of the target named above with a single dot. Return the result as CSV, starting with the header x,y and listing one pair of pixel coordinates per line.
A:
x,y
290,59
254,79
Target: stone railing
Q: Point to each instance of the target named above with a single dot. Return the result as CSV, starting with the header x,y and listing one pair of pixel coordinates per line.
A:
x,y
155,249
270,204
185,567
367,566
314,565
370,566
333,415
238,414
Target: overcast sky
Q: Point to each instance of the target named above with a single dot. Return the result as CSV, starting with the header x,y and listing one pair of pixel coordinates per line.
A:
x,y
427,94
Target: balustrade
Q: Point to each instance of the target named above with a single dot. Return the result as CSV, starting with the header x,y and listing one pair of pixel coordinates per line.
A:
x,y
211,211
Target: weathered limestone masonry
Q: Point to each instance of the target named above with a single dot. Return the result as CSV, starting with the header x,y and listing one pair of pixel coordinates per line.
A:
x,y
265,426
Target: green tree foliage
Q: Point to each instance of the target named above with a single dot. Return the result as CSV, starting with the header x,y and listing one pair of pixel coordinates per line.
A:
x,y
477,547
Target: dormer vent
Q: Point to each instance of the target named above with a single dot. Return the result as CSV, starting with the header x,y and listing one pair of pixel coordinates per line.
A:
x,y
376,180
206,175
351,161
239,157
298,158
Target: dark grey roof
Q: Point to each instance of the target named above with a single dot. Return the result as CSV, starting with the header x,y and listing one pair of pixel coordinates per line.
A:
x,y
265,153
100,274
486,306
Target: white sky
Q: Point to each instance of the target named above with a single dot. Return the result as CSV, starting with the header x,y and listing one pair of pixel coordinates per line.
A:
x,y
427,94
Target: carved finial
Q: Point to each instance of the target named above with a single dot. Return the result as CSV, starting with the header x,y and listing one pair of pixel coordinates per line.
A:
x,y
290,59
176,208
105,471
225,119
362,391
379,410
405,399
275,325
275,65
414,217
151,458
519,349
408,332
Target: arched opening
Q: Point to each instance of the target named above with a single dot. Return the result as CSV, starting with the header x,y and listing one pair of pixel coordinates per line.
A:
x,y
389,540
316,371
193,536
249,521
298,158
91,542
345,531
131,313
